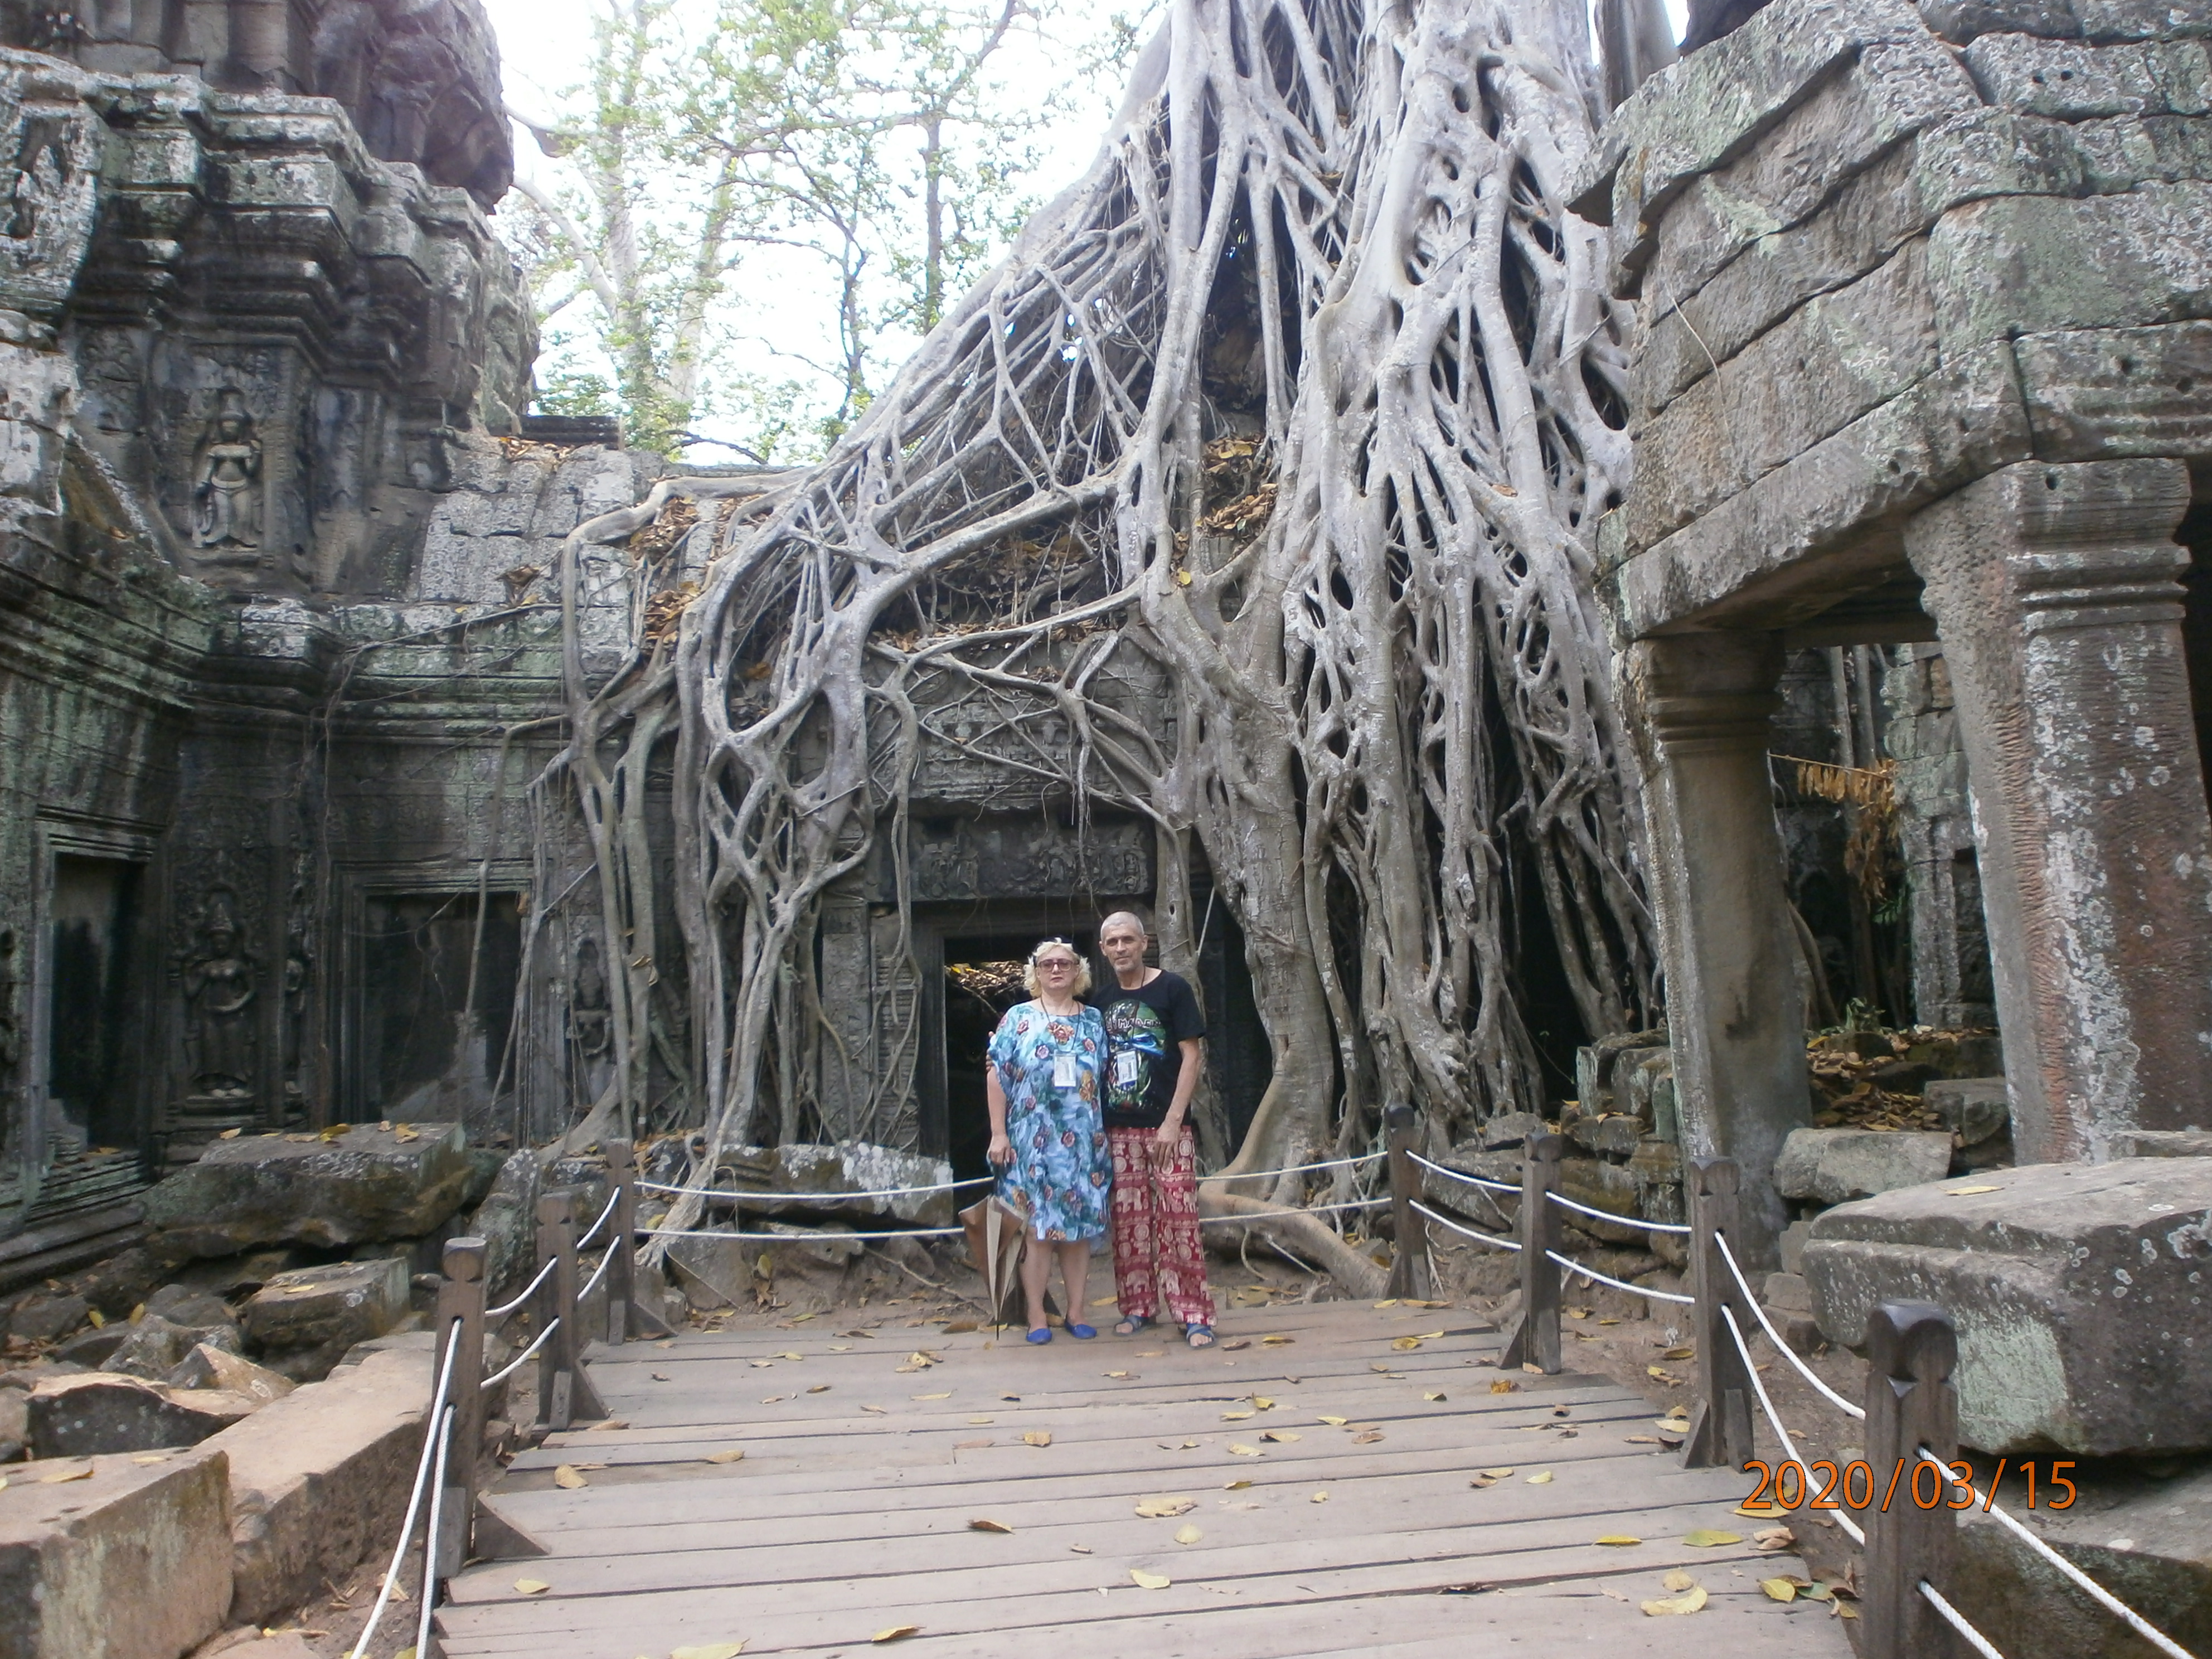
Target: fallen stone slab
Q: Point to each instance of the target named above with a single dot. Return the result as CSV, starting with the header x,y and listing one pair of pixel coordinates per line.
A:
x,y
507,1221
303,1322
1835,1166
363,1185
2078,1291
15,1424
153,1347
320,1479
132,1561
2163,1143
209,1367
102,1411
772,1177
43,1318
189,1305
1974,1109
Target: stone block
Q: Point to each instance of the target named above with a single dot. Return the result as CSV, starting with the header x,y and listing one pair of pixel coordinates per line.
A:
x,y
15,1424
1793,1246
304,1320
1962,21
824,1170
2162,1143
2071,81
133,1563
365,1185
152,1347
91,1348
208,1367
2078,1291
1510,1129
1834,1166
507,1221
100,1412
1974,1109
43,1318
320,1479
189,1305
1786,1293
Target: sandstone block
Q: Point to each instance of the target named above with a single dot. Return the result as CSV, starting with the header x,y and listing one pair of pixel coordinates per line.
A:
x,y
102,1411
1833,1166
1510,1129
307,1318
2163,1143
153,1347
91,1348
2078,1290
1974,1109
366,1185
187,1305
320,1479
15,1424
133,1563
824,1170
1787,1293
208,1367
43,1318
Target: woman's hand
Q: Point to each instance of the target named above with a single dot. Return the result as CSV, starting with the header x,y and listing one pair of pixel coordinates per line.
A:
x,y
1002,1151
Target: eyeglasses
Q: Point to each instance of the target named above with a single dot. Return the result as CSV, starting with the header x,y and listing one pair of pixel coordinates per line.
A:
x,y
1048,963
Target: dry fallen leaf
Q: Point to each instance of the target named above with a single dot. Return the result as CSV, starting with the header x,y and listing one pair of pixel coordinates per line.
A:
x,y
532,1586
947,1395
1235,1417
877,1410
1690,1600
1119,1377
1278,1434
1497,1474
711,1650
1966,1192
896,1632
1235,1486
1704,1538
1779,1589
1619,1540
1144,1580
1643,1440
1504,1385
1160,1508
567,1478
1677,1581
1482,1480
1320,1496
1239,1449
984,1524
1188,1534
1080,1549
1038,1437
1367,1436
1335,1422
1261,1402
1405,1344
729,1454
1770,1538
1679,1353
1542,1478
1277,1342
84,1474
1432,1396
819,1388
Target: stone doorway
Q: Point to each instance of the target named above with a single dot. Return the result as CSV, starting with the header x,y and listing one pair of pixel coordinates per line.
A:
x,y
91,1046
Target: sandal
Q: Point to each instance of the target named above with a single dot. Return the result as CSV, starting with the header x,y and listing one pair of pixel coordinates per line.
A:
x,y
1083,1333
1198,1336
1132,1323
1041,1334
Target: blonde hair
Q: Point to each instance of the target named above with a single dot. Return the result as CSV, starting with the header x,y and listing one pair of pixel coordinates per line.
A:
x,y
1082,968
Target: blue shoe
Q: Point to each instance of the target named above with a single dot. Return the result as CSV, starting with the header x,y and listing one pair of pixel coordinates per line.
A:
x,y
1040,1334
1083,1333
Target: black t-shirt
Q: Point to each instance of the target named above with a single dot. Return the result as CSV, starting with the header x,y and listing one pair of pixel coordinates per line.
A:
x,y
1146,1025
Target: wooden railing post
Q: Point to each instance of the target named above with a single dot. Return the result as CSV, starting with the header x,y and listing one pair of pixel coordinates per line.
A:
x,y
1720,1423
626,1315
564,1393
1910,1403
1536,1337
1409,1261
461,1334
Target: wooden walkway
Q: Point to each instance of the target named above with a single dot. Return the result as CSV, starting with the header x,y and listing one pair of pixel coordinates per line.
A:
x,y
849,1513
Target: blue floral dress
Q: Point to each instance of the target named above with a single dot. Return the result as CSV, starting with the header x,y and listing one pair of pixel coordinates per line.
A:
x,y
1061,1169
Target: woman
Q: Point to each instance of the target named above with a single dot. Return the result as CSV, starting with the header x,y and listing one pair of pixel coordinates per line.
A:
x,y
1047,1138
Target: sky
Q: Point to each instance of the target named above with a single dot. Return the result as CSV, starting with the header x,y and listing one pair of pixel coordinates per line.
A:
x,y
543,47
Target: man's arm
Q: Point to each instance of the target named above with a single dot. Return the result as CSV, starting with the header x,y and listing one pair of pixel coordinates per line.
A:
x,y
1194,1057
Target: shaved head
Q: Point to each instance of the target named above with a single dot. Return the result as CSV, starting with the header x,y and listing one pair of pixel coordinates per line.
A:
x,y
1124,918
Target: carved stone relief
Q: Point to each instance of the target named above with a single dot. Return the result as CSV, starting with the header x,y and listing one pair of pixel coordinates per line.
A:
x,y
50,143
227,486
220,979
1029,858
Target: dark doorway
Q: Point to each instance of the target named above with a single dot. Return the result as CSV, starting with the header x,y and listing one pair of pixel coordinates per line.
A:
x,y
983,980
91,1052
433,1043
2196,535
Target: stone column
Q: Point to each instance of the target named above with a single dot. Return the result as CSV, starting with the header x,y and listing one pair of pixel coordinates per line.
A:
x,y
2054,590
1735,988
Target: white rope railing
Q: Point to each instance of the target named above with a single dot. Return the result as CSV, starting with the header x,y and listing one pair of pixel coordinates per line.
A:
x,y
606,1262
1774,1337
1573,1266
813,1198
414,1498
584,1240
1774,1419
801,1238
1957,1620
1469,1232
430,1531
1292,1209
516,1364
1566,1203
1293,1169
2096,1592
1460,1175
525,1294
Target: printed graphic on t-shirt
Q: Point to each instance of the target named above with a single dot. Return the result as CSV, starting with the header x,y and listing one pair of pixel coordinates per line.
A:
x,y
1136,1037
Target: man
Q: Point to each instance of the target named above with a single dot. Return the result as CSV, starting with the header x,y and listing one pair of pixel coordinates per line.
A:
x,y
1154,1052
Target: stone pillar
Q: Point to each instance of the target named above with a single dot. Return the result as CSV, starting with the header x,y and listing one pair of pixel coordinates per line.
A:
x,y
2054,590
1736,987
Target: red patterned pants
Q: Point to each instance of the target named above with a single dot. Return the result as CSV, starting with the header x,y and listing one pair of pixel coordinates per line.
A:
x,y
1156,1255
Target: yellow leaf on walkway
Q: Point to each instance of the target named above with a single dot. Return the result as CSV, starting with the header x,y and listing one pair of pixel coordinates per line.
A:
x,y
1320,1496
1704,1538
1239,1449
1619,1540
1428,1336
1336,1422
532,1586
1677,1581
728,1454
1405,1344
982,1524
1144,1580
895,1633
1038,1437
1504,1385
819,1388
1235,1417
84,1474
1543,1479
1260,1402
711,1650
1497,1474
1690,1600
566,1478
1160,1508
1235,1486
1966,1192
1779,1589
1188,1534
1278,1434
947,1395
1432,1396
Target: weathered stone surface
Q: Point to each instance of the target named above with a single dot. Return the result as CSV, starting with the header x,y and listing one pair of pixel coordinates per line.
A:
x,y
1833,1166
304,1320
209,1367
1974,1109
15,1424
133,1563
507,1221
90,1348
43,1318
188,1304
366,1185
851,1166
2073,81
318,1480
2163,1143
1786,1293
1510,1129
806,1276
2096,393
102,1411
2144,1534
2078,1289
154,1347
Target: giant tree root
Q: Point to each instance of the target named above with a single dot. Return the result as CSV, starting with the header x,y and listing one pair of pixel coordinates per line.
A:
x,y
1299,1233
